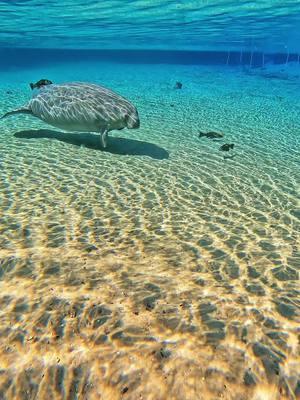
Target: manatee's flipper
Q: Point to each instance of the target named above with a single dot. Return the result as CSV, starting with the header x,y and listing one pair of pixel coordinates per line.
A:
x,y
104,138
18,111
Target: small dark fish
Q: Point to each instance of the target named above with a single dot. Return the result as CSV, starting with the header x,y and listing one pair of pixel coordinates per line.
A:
x,y
226,147
178,85
40,83
9,92
211,135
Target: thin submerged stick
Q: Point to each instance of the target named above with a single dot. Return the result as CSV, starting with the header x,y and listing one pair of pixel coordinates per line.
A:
x,y
228,56
251,57
287,58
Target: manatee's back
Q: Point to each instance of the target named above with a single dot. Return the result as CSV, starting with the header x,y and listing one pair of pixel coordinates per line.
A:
x,y
83,107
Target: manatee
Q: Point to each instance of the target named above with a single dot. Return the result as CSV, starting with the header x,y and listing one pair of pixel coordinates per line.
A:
x,y
81,107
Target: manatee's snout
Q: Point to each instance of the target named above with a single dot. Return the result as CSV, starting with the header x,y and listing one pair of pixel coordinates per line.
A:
x,y
136,124
133,120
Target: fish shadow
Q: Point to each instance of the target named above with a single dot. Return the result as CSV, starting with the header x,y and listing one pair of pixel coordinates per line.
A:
x,y
116,145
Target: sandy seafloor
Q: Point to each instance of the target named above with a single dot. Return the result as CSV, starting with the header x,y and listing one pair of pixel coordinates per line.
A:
x,y
156,269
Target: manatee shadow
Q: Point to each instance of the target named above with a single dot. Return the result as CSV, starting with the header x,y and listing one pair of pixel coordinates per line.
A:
x,y
115,145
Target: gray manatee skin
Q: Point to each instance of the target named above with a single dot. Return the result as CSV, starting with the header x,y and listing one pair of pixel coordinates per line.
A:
x,y
81,107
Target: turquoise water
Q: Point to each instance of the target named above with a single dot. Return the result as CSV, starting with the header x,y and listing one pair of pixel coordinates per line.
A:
x,y
193,24
160,267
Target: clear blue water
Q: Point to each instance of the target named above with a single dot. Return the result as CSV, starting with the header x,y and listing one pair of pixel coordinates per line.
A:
x,y
161,267
143,24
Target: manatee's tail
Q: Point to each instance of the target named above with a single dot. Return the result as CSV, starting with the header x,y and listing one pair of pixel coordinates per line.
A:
x,y
201,134
18,111
32,85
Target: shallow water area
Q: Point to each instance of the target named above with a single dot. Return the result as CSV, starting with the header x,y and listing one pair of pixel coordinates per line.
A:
x,y
157,269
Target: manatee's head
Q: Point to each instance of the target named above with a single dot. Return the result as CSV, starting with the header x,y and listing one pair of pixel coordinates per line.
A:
x,y
132,119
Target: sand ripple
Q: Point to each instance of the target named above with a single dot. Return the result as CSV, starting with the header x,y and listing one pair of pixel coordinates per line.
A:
x,y
156,269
